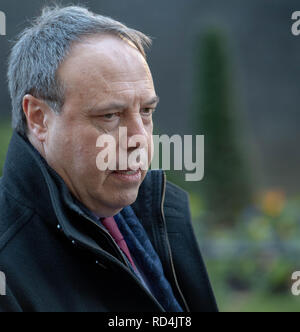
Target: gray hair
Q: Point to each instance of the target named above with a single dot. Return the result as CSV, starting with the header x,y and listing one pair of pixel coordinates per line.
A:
x,y
41,48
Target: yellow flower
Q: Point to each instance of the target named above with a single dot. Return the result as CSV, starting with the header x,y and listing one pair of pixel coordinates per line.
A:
x,y
273,202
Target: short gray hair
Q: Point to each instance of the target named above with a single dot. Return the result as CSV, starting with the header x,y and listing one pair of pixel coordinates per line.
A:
x,y
41,48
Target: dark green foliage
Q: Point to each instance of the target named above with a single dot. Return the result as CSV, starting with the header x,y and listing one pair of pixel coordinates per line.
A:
x,y
5,134
226,186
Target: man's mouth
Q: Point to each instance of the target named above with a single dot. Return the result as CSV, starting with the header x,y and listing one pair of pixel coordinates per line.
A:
x,y
128,176
128,172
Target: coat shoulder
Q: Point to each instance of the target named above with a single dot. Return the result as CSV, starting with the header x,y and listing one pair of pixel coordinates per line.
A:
x,y
176,201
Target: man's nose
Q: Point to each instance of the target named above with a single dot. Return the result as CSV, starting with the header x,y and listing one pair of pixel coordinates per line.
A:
x,y
135,129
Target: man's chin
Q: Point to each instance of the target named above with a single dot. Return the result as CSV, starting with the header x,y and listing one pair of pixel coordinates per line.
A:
x,y
119,202
128,199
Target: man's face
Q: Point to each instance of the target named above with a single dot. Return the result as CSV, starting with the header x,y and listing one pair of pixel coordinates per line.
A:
x,y
108,85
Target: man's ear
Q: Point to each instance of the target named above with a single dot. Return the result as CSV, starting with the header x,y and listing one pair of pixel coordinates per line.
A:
x,y
36,112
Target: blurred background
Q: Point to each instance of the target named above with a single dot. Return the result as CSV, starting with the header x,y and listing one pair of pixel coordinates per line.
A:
x,y
228,70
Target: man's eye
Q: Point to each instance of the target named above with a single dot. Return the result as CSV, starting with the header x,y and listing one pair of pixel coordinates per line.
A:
x,y
110,116
147,111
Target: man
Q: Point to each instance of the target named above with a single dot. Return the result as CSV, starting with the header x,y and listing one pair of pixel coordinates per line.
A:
x,y
74,237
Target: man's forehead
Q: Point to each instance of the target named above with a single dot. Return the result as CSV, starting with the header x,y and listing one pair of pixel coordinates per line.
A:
x,y
107,46
104,58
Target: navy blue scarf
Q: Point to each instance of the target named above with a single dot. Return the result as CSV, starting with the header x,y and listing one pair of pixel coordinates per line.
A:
x,y
141,248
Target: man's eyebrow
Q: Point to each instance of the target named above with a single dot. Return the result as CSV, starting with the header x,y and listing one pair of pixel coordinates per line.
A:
x,y
154,100
113,106
107,107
